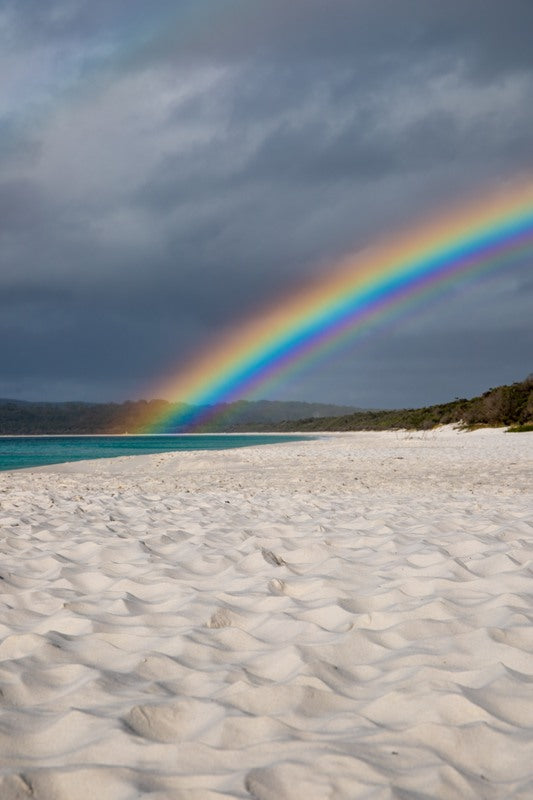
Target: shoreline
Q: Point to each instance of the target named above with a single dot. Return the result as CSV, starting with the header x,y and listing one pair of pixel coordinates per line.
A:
x,y
343,616
119,446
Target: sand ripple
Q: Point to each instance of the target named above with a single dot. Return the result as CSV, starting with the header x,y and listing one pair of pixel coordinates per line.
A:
x,y
346,618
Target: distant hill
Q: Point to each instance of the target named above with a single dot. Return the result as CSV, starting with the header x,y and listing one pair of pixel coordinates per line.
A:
x,y
502,406
22,417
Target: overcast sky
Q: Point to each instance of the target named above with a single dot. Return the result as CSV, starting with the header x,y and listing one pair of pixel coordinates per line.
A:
x,y
168,167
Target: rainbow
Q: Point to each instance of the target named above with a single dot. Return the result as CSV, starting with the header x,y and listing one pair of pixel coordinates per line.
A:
x,y
364,290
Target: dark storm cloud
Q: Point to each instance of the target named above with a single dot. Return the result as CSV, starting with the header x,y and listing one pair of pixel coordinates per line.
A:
x,y
166,171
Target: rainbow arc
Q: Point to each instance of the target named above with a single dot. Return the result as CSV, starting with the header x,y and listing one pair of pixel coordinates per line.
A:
x,y
363,291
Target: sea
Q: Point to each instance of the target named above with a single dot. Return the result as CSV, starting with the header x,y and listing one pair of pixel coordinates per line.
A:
x,y
19,452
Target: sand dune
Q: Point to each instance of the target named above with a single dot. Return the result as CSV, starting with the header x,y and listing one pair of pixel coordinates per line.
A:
x,y
348,617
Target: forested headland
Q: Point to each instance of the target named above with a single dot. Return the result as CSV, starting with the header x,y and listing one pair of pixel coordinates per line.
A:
x,y
510,405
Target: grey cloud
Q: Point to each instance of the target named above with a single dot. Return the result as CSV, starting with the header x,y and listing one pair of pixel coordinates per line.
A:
x,y
488,37
17,144
181,167
21,206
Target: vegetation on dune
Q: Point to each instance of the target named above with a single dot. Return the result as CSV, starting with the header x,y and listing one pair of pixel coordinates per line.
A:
x,y
502,406
521,428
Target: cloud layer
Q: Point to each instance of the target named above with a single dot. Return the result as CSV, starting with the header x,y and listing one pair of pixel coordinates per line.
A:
x,y
164,171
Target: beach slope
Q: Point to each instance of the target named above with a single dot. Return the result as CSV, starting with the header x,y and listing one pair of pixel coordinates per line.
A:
x,y
342,618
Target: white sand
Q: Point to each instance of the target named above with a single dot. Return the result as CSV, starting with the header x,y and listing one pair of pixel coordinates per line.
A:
x,y
345,618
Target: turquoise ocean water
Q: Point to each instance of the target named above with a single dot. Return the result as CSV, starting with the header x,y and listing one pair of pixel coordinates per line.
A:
x,y
17,452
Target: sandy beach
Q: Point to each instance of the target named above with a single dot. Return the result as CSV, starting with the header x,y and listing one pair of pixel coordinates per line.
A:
x,y
348,617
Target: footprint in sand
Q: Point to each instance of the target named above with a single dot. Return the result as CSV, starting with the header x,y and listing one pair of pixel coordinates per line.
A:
x,y
272,558
221,618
